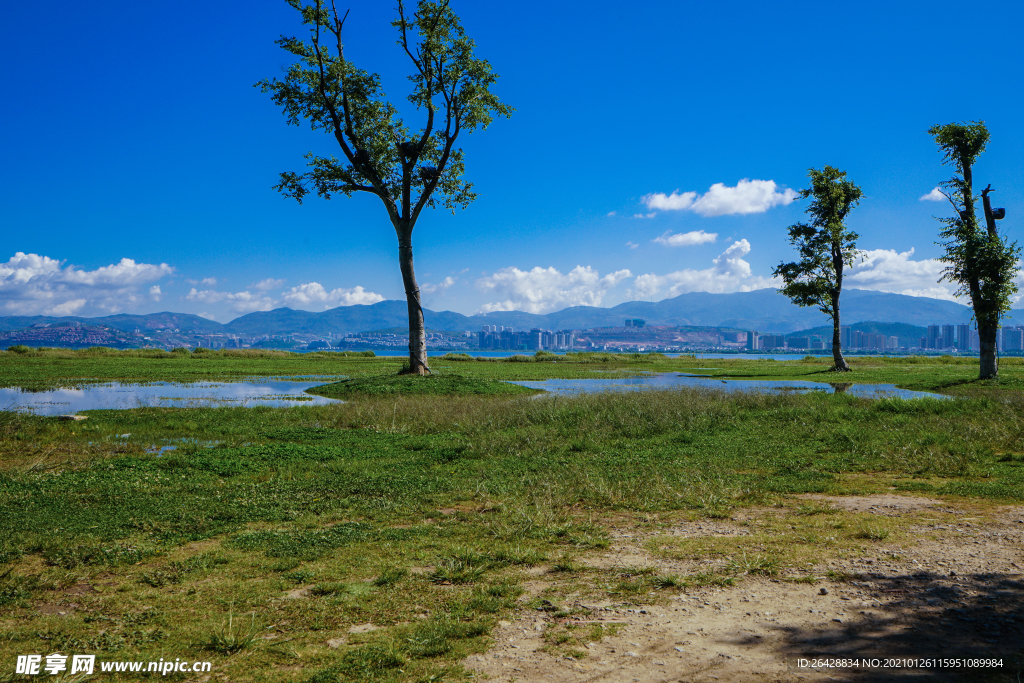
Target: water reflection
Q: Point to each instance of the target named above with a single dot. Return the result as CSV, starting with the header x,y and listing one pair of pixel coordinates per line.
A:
x,y
675,380
275,392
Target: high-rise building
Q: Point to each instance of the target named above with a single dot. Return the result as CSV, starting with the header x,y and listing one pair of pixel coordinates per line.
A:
x,y
948,336
1013,338
963,337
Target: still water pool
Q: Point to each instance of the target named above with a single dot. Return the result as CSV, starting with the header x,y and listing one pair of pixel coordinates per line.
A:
x,y
675,380
276,392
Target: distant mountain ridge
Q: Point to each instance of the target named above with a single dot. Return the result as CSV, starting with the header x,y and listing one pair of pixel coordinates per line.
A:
x,y
765,310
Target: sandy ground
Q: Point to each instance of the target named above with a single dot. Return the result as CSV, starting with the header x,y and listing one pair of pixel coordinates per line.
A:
x,y
955,592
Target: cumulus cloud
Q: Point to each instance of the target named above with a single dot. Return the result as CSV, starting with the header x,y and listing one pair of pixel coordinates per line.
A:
x,y
729,273
315,295
748,196
439,287
645,215
268,284
307,296
154,293
885,270
933,196
545,289
31,284
686,239
243,302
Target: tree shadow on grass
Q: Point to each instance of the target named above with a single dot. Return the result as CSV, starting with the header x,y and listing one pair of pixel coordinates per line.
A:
x,y
921,616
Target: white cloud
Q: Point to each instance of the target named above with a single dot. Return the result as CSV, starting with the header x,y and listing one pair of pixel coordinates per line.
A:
x,y
243,302
268,284
933,196
545,289
208,282
686,239
632,245
645,215
31,284
885,270
670,202
729,273
611,213
307,296
439,287
748,196
154,293
313,294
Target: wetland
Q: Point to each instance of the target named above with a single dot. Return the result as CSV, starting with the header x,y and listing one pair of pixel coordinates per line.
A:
x,y
446,530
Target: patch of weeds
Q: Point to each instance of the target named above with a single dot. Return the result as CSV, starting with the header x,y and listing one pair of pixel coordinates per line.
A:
x,y
299,576
568,639
436,637
303,545
158,578
364,663
913,486
632,586
390,576
566,563
229,639
286,565
493,599
454,570
762,565
668,581
14,589
708,579
75,555
516,555
330,588
872,532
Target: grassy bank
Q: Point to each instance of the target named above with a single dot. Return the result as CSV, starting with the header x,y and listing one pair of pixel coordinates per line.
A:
x,y
381,539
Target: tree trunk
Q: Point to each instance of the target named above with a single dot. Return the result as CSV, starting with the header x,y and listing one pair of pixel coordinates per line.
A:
x,y
417,330
839,363
837,351
989,354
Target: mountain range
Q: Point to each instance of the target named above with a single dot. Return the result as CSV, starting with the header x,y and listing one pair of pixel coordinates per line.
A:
x,y
765,310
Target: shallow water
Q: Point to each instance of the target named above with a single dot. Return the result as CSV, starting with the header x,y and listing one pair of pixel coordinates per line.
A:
x,y
274,392
675,380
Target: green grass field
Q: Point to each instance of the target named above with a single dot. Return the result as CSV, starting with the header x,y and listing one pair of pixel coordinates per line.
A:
x,y
266,534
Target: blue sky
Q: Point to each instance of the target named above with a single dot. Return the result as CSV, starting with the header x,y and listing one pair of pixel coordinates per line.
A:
x,y
138,158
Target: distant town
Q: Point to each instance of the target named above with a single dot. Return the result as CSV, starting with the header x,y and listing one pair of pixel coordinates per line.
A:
x,y
634,335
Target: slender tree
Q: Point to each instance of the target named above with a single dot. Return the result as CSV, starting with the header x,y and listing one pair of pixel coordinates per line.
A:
x,y
825,246
380,155
979,261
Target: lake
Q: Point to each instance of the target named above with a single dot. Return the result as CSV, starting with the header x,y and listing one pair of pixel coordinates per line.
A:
x,y
277,392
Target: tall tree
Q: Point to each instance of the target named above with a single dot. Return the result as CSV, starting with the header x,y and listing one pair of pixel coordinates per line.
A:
x,y
979,261
825,246
406,171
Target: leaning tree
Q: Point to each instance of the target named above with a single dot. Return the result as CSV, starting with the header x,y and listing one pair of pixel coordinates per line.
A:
x,y
406,170
979,261
825,246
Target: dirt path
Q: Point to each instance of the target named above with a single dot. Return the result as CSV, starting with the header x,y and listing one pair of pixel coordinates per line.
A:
x,y
953,590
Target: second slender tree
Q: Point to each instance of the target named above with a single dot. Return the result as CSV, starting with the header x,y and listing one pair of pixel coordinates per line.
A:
x,y
979,260
826,246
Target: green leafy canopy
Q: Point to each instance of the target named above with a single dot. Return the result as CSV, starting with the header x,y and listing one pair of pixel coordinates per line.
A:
x,y
380,154
825,244
978,260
